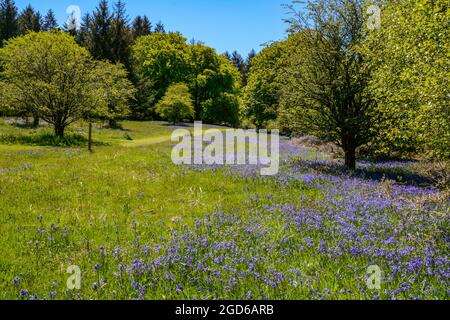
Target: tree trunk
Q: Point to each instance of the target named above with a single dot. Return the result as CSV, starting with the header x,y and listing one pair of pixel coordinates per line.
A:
x,y
350,158
113,124
197,107
36,121
90,137
59,131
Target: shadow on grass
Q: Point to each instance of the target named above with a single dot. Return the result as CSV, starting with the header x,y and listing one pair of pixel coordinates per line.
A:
x,y
46,139
400,175
24,125
180,125
398,171
115,126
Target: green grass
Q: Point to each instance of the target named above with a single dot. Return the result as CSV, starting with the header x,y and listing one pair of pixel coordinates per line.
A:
x,y
96,196
76,135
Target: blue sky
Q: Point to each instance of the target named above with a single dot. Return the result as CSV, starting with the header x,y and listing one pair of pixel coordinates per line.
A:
x,y
223,24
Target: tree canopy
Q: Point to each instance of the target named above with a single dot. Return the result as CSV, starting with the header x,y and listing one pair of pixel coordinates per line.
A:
x,y
409,56
176,105
261,96
327,88
48,74
164,59
115,91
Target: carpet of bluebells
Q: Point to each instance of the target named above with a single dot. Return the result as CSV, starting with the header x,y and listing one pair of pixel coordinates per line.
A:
x,y
314,239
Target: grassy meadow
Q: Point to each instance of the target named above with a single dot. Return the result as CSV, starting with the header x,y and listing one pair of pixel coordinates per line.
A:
x,y
140,227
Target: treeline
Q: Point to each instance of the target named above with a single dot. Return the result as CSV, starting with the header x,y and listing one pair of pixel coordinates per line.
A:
x,y
379,90
111,28
154,61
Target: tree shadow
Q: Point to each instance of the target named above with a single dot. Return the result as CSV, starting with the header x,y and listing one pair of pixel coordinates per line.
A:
x,y
398,171
24,125
115,126
46,139
178,125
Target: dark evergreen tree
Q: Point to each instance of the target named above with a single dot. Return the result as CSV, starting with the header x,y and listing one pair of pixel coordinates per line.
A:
x,y
248,65
8,20
70,26
242,65
141,27
237,60
121,36
99,36
239,63
142,108
108,36
160,28
50,22
29,20
85,27
250,57
227,55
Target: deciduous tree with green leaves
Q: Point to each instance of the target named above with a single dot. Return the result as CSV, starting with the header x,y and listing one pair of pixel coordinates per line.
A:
x,y
262,94
409,56
177,104
47,73
223,109
328,86
115,91
162,59
210,77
